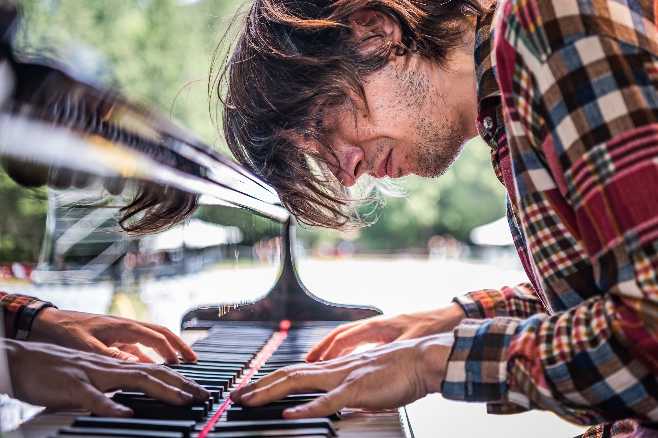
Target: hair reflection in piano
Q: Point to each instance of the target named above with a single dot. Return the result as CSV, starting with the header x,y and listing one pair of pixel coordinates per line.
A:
x,y
141,214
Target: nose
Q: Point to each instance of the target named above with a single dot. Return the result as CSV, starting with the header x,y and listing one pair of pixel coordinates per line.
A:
x,y
350,160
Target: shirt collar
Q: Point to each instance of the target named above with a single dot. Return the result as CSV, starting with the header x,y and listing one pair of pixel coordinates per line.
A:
x,y
485,68
490,123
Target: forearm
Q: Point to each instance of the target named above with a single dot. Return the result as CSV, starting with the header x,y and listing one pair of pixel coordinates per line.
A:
x,y
442,319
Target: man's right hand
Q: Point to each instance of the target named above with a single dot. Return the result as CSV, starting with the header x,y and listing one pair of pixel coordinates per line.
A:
x,y
61,378
382,330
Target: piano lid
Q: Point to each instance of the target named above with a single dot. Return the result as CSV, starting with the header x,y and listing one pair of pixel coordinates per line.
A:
x,y
65,127
101,155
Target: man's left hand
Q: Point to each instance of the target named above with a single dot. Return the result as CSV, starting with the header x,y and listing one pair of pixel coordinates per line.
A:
x,y
386,377
108,335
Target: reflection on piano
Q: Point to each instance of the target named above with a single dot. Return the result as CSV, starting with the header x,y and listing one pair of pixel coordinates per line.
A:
x,y
100,153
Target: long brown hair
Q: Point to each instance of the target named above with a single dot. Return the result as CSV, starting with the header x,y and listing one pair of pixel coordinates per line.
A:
x,y
293,60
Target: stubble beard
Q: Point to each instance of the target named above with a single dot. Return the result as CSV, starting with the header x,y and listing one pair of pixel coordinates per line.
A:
x,y
440,146
441,139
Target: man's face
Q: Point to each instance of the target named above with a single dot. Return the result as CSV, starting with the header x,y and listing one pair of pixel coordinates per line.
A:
x,y
418,117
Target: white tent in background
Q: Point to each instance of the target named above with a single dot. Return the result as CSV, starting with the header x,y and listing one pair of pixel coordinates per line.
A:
x,y
195,234
496,233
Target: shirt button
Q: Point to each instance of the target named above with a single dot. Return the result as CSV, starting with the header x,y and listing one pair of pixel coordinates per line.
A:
x,y
488,123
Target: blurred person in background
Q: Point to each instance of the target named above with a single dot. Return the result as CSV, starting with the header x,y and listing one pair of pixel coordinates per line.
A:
x,y
318,93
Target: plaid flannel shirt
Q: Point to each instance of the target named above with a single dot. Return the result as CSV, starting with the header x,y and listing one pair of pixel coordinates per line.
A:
x,y
568,102
19,312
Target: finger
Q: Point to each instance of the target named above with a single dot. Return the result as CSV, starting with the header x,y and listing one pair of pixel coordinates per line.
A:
x,y
322,406
96,346
321,346
262,382
122,355
347,341
301,381
135,351
132,332
99,404
176,341
143,381
177,380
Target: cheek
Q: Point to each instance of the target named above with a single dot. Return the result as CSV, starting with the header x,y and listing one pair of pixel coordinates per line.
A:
x,y
396,98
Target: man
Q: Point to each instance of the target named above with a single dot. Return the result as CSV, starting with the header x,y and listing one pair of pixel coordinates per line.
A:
x,y
93,354
318,93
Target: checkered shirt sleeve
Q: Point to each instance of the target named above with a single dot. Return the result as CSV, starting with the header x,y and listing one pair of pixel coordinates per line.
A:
x,y
519,301
579,82
19,312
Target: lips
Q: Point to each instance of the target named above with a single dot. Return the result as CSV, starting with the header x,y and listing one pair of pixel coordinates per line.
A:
x,y
389,164
383,168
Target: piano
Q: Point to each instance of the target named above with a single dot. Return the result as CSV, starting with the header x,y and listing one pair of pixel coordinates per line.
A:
x,y
100,153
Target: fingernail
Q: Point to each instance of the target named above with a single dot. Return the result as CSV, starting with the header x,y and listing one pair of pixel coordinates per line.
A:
x,y
124,411
185,396
290,412
203,393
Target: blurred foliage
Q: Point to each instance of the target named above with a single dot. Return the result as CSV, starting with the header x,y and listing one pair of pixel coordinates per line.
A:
x,y
24,215
159,52
156,51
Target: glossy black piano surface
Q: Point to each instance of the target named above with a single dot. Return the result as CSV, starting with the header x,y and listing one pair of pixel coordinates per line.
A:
x,y
97,152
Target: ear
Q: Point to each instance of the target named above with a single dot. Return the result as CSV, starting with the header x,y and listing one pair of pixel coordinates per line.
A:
x,y
373,27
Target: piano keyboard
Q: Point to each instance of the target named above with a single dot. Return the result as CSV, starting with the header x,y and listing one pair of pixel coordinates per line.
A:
x,y
232,354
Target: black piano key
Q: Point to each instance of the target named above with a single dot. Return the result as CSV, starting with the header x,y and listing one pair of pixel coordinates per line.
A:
x,y
216,392
150,408
264,425
116,433
181,426
155,412
208,368
221,383
122,396
306,433
267,412
231,378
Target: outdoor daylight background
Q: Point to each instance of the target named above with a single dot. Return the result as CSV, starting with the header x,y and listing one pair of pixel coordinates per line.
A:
x,y
418,255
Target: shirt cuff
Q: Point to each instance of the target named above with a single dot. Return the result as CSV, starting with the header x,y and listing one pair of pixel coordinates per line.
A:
x,y
477,366
19,312
480,304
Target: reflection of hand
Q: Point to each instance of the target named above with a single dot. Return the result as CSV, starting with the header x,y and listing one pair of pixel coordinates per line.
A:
x,y
108,335
381,330
387,377
61,378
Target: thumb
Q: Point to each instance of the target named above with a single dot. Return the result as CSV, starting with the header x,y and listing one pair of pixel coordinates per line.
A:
x,y
101,405
97,346
325,405
122,355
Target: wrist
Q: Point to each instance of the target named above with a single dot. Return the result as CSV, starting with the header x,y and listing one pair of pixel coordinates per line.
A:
x,y
43,325
456,313
434,354
450,316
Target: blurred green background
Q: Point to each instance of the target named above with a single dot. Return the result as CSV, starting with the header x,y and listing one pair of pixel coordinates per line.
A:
x,y
159,52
